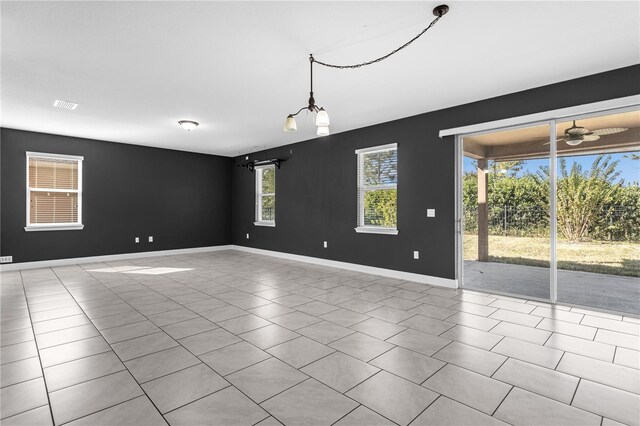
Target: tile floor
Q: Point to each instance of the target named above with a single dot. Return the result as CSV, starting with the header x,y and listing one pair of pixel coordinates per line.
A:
x,y
231,338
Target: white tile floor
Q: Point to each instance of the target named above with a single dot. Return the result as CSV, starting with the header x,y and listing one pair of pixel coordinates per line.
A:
x,y
230,338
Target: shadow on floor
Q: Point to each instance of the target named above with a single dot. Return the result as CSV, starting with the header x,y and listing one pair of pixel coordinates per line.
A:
x,y
611,292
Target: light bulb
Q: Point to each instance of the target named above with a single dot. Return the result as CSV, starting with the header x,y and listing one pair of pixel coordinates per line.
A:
x,y
323,130
322,118
290,124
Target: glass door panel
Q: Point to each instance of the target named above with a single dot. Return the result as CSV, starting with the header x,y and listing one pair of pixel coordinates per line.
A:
x,y
598,211
505,209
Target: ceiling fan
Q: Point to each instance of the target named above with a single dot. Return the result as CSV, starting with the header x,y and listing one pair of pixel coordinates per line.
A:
x,y
575,134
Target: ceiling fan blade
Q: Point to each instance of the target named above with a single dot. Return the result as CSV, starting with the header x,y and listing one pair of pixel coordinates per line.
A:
x,y
610,131
575,131
592,137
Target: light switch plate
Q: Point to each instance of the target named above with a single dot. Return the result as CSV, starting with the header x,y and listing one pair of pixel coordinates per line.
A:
x,y
431,212
325,244
137,240
150,239
416,254
247,236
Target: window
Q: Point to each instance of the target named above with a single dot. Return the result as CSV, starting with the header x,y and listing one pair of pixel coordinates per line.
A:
x,y
378,189
266,195
54,192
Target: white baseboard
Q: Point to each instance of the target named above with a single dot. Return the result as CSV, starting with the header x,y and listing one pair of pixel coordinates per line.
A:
x,y
107,258
401,275
409,276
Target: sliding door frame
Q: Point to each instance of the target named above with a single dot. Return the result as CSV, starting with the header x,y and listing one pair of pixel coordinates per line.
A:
x,y
553,162
551,125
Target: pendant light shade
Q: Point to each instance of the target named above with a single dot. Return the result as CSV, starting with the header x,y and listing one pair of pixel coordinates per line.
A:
x,y
322,118
323,130
290,124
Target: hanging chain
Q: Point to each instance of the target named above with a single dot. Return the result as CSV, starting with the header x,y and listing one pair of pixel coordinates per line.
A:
x,y
381,58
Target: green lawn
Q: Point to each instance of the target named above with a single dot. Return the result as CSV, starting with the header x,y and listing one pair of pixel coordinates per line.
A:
x,y
615,258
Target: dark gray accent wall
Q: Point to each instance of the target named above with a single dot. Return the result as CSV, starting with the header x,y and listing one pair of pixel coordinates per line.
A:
x,y
316,189
193,200
182,199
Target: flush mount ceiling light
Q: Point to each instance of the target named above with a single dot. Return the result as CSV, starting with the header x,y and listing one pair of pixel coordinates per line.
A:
x,y
188,125
322,117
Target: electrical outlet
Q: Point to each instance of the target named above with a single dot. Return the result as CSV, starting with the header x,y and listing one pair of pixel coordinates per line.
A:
x,y
416,254
137,240
431,212
150,239
325,244
247,236
6,259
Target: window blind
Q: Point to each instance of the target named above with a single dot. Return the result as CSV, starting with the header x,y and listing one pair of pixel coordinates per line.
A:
x,y
265,194
53,190
377,187
51,173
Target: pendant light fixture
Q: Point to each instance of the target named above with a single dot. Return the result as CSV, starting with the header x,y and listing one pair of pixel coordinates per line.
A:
x,y
322,118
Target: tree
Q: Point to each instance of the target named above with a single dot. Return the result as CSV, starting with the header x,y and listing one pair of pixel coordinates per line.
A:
x,y
505,168
380,207
583,195
380,204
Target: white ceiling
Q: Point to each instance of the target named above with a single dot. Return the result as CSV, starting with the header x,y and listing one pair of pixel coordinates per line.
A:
x,y
239,68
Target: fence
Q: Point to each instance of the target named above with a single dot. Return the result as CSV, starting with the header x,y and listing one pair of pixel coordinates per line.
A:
x,y
268,213
614,223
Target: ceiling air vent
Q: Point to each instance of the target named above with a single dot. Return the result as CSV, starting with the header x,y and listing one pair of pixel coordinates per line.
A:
x,y
65,104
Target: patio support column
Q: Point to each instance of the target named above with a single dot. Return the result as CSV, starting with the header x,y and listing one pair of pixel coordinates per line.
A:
x,y
483,211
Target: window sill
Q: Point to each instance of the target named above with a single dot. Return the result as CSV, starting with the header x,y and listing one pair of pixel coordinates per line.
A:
x,y
265,223
32,228
376,230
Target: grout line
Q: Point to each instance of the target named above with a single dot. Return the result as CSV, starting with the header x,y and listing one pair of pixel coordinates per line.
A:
x,y
23,381
425,409
26,411
90,380
575,391
44,380
433,374
198,360
106,408
503,400
123,364
506,358
351,411
229,385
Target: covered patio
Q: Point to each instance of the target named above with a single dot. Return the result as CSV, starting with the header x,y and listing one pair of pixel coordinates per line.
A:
x,y
609,292
616,133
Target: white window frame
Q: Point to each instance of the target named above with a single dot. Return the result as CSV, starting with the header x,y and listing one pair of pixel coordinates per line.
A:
x,y
361,227
53,226
259,194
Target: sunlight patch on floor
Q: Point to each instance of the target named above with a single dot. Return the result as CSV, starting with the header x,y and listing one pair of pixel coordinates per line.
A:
x,y
141,270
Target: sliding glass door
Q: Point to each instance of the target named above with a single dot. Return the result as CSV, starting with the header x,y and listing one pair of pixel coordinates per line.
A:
x,y
598,205
505,207
551,211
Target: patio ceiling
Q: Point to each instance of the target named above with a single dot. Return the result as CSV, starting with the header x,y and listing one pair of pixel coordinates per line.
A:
x,y
533,142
